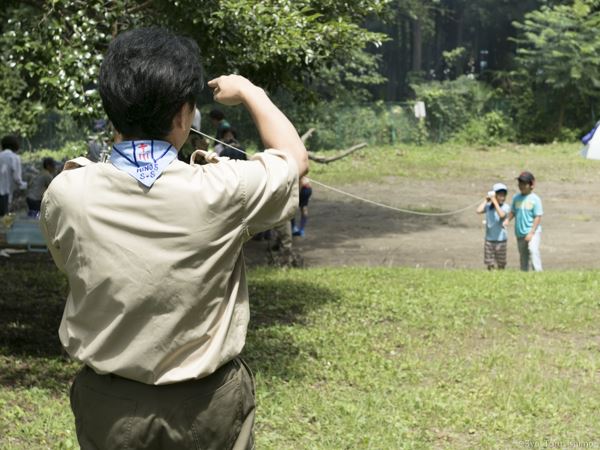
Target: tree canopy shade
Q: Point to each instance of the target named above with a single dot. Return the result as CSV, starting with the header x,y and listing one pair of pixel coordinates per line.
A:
x,y
51,50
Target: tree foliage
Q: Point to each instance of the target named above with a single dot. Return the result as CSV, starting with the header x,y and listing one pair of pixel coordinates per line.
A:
x,y
559,47
53,48
558,57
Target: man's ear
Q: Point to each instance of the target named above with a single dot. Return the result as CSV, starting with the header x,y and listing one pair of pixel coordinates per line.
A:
x,y
178,119
183,118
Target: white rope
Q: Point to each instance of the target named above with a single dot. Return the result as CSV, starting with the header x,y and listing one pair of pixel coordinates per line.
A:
x,y
393,208
356,197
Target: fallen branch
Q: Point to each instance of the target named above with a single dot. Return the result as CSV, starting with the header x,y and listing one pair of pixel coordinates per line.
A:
x,y
323,160
306,135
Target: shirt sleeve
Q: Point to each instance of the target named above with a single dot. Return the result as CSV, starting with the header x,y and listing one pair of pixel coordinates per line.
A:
x,y
48,214
538,209
513,208
17,174
270,190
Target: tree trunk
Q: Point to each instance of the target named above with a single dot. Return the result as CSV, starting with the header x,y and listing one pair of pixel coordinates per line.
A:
x,y
405,58
460,27
439,44
417,45
561,115
393,61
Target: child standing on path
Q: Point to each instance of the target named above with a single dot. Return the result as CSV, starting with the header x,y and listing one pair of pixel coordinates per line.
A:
x,y
496,211
305,193
527,210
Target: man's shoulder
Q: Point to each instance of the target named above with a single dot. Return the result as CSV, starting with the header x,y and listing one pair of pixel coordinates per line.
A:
x,y
74,169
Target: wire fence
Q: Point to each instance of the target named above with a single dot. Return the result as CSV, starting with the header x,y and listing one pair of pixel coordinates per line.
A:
x,y
336,126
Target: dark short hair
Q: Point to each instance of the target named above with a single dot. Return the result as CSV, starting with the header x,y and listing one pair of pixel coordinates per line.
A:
x,y
147,75
48,162
230,130
216,114
10,142
526,177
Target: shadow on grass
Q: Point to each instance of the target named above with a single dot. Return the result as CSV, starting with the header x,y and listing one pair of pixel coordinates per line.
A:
x,y
32,297
278,308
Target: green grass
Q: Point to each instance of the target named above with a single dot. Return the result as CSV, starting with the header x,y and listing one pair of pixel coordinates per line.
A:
x,y
359,358
556,162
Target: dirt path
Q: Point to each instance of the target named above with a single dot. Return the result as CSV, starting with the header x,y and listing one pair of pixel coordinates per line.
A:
x,y
345,232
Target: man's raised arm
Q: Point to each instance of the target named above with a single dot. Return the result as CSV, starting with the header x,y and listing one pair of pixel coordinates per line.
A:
x,y
276,131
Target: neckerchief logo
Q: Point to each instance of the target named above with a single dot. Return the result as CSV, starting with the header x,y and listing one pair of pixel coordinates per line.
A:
x,y
143,160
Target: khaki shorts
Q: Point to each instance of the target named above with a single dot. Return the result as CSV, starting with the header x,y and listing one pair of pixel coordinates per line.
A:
x,y
215,412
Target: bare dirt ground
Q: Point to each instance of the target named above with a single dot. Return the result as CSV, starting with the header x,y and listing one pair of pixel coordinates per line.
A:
x,y
345,232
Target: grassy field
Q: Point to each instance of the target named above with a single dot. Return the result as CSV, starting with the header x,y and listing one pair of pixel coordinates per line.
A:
x,y
369,358
359,358
556,162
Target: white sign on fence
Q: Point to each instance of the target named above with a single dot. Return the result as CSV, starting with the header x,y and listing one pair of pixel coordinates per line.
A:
x,y
420,110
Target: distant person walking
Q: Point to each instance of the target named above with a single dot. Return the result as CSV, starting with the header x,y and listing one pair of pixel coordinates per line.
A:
x,y
496,212
218,120
10,173
230,138
39,185
95,142
527,210
305,194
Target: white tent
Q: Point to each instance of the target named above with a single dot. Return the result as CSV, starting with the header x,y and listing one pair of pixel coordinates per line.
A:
x,y
592,144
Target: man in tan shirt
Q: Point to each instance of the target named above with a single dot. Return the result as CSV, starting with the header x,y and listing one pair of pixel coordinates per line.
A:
x,y
152,247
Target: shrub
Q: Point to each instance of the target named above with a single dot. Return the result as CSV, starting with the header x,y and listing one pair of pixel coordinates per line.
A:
x,y
568,134
338,123
68,151
489,129
452,104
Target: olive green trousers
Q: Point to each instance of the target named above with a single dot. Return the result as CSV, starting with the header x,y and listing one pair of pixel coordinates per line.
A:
x,y
215,412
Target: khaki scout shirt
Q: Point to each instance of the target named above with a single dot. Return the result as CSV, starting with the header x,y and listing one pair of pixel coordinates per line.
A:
x,y
157,279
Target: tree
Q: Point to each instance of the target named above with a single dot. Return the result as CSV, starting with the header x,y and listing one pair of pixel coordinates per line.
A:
x,y
559,53
422,30
55,46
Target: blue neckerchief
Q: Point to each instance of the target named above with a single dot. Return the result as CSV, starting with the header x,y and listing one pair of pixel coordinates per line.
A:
x,y
143,160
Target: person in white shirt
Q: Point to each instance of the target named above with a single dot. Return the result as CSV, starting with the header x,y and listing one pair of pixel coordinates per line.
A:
x,y
10,173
